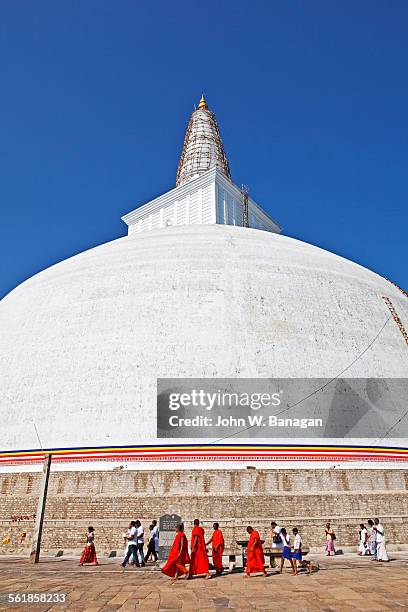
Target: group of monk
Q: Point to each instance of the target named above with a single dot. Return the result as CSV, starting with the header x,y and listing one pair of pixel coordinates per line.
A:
x,y
197,559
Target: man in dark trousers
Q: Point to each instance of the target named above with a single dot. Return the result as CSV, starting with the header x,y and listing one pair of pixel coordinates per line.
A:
x,y
153,545
131,540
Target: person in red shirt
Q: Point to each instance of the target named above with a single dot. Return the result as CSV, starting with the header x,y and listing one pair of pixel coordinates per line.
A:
x,y
199,558
255,556
217,541
178,556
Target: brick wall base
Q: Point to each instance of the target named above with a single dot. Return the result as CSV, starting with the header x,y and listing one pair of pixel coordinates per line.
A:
x,y
234,498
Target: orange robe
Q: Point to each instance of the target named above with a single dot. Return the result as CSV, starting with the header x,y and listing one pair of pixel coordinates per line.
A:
x,y
176,563
218,544
255,559
199,559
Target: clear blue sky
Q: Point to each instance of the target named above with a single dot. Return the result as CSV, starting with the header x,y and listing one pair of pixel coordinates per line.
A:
x,y
311,98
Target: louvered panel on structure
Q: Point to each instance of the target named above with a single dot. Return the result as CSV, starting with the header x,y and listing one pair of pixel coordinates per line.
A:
x,y
145,225
168,215
182,217
194,209
156,220
207,205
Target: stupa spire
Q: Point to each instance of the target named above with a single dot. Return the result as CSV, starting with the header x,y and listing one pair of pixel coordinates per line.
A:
x,y
202,103
202,148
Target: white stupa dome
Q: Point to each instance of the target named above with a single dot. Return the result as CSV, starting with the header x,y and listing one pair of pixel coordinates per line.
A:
x,y
87,338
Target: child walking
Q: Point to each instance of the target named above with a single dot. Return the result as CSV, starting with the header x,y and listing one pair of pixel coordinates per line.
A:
x,y
286,554
297,552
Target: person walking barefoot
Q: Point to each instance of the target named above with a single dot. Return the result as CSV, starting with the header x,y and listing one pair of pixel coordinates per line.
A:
x,y
286,553
217,541
178,556
199,563
255,555
89,553
363,541
297,552
382,554
330,537
372,540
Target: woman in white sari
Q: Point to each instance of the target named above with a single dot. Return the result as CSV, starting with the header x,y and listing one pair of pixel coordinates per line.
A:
x,y
381,550
372,540
363,537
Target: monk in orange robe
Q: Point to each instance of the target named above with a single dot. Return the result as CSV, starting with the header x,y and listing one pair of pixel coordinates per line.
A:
x,y
217,541
255,555
199,558
178,557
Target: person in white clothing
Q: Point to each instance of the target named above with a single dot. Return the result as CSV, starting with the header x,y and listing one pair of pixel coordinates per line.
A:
x,y
140,543
372,539
276,537
286,552
130,539
363,541
381,550
297,552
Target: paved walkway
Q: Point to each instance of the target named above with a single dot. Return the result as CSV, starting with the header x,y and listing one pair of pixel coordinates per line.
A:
x,y
342,584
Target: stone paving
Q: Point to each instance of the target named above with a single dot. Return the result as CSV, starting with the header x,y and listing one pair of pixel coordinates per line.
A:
x,y
342,583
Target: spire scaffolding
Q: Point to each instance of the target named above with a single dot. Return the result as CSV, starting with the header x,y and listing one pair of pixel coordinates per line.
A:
x,y
202,148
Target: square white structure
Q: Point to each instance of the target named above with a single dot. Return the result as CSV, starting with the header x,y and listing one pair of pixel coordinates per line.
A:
x,y
208,199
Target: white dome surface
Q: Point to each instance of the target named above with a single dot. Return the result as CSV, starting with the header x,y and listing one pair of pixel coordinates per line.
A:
x,y
84,341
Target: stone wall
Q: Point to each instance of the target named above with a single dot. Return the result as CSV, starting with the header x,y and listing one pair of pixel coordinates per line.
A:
x,y
108,500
